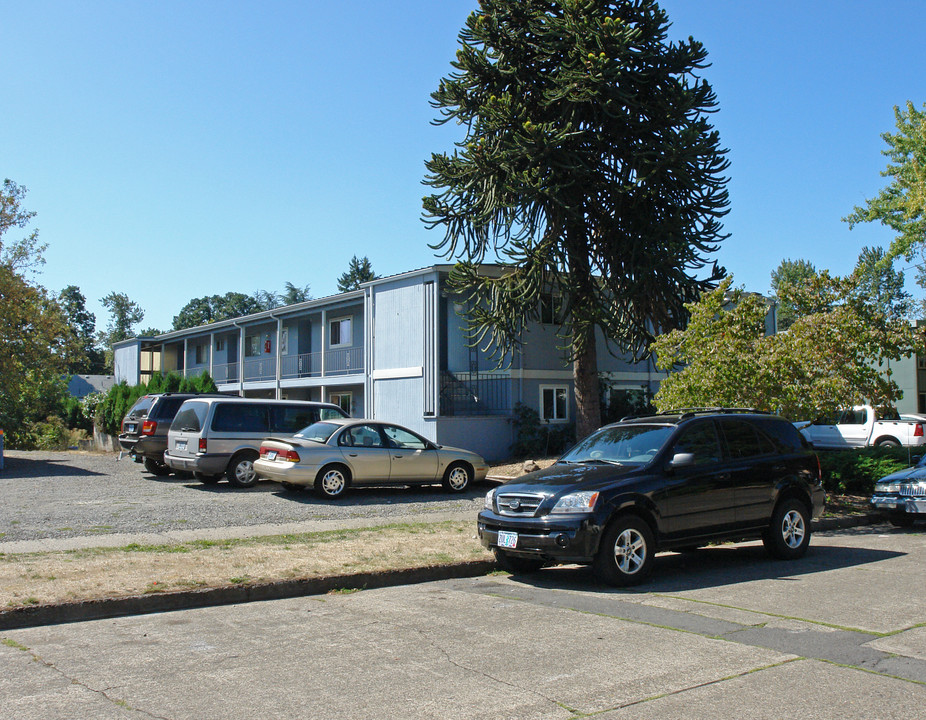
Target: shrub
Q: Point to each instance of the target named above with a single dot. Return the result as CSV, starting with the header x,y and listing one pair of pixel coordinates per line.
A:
x,y
854,472
536,439
50,434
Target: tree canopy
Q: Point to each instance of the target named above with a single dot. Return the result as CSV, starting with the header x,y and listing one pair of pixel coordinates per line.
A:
x,y
87,357
901,206
34,338
834,355
359,271
789,273
588,165
213,308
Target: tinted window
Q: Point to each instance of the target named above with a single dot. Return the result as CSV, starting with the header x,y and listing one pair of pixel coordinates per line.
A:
x,y
621,443
141,407
701,441
783,434
191,417
167,407
403,438
743,441
240,417
327,413
291,418
361,436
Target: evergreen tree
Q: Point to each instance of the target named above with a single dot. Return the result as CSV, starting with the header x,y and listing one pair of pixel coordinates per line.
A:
x,y
588,165
87,358
358,271
788,274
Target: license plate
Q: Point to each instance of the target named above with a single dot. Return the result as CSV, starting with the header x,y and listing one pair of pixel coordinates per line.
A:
x,y
507,539
130,427
272,455
180,445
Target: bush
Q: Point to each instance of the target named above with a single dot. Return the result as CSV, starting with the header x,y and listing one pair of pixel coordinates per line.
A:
x,y
854,472
112,407
50,434
536,439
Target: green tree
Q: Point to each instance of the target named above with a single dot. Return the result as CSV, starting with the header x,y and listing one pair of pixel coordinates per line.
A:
x,y
829,359
267,300
359,271
880,284
789,273
901,206
87,358
588,166
293,294
124,314
24,255
214,308
34,338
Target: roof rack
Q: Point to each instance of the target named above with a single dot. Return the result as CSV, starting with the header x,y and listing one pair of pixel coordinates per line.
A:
x,y
692,411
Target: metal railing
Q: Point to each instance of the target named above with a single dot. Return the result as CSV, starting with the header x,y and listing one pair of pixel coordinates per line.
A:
x,y
344,362
262,368
475,394
303,365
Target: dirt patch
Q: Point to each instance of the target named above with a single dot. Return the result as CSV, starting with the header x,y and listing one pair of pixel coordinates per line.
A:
x,y
56,577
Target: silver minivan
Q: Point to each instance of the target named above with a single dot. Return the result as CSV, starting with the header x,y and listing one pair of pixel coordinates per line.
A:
x,y
216,436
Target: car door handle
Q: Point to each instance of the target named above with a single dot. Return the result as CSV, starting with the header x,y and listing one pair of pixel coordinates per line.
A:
x,y
352,454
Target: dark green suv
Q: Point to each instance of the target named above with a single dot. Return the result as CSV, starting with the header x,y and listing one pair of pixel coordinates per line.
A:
x,y
665,482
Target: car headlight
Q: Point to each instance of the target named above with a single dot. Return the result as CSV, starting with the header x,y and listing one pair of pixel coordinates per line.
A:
x,y
490,499
580,502
887,487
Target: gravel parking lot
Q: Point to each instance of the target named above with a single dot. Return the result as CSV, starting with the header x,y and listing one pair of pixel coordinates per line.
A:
x,y
70,494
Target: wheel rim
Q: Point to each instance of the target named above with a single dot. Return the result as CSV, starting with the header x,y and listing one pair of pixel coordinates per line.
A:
x,y
630,551
792,529
458,478
333,482
244,472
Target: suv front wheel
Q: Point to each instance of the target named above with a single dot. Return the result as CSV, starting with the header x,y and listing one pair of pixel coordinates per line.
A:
x,y
625,556
788,534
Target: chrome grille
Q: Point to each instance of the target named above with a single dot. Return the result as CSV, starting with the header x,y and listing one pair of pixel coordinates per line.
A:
x,y
518,504
913,489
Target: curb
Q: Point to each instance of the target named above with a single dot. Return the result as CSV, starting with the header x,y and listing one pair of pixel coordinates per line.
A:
x,y
106,608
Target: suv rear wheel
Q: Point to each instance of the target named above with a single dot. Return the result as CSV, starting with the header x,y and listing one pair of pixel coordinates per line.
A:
x,y
788,534
155,467
625,556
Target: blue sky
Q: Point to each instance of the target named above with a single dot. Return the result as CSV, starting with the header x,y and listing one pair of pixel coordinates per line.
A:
x,y
179,149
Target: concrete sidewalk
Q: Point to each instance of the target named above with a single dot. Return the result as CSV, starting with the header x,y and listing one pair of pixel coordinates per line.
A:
x,y
722,633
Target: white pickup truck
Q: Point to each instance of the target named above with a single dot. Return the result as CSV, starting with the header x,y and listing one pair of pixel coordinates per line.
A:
x,y
862,426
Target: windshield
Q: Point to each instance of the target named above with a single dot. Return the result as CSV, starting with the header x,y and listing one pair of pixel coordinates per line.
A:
x,y
319,432
621,444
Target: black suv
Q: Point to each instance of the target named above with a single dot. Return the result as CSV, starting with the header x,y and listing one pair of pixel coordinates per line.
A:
x,y
145,425
665,482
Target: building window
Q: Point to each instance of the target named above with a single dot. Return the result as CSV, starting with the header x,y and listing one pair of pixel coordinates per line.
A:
x,y
284,341
219,345
340,332
551,309
252,346
200,354
342,400
554,403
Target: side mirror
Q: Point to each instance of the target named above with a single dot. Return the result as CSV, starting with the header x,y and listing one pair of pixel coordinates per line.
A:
x,y
681,460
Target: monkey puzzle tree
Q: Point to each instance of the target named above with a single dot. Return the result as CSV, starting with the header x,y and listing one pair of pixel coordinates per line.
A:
x,y
588,166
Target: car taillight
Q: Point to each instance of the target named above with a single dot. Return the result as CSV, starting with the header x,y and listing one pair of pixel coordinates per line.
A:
x,y
918,431
202,445
149,427
290,455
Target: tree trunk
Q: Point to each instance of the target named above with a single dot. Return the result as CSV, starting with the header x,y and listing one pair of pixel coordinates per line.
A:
x,y
588,401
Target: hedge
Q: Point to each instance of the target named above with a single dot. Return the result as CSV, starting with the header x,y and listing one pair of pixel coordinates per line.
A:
x,y
854,472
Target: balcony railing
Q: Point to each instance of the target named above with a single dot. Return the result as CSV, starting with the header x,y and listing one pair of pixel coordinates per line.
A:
x,y
344,362
299,366
475,394
225,373
262,368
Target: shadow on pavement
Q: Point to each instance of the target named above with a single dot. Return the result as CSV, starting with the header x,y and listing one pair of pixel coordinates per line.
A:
x,y
712,567
19,468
